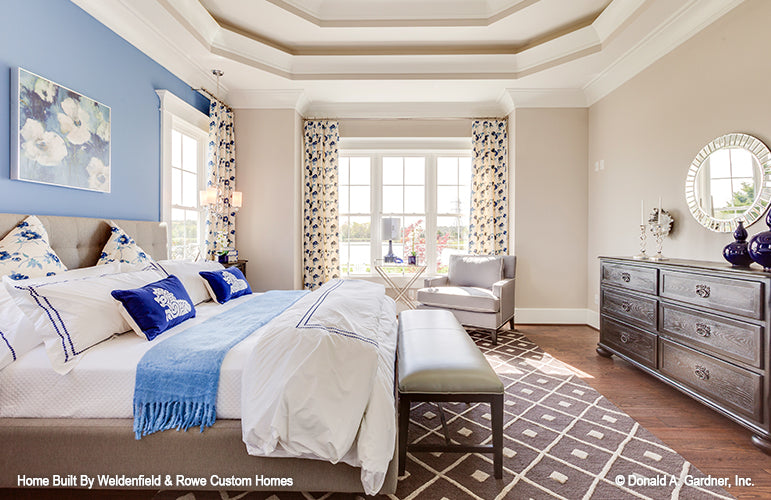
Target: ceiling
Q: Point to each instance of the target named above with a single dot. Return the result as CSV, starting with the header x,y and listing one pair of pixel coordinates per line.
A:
x,y
407,58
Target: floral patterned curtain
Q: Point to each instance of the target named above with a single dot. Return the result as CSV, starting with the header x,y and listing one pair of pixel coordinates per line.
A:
x,y
321,240
220,223
488,225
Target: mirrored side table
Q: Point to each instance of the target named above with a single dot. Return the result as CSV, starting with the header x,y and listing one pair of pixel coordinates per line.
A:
x,y
399,278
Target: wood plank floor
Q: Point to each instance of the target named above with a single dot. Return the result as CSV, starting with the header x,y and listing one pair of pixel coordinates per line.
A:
x,y
711,442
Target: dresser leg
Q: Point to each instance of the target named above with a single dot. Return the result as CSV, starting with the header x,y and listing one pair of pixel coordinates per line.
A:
x,y
763,443
603,352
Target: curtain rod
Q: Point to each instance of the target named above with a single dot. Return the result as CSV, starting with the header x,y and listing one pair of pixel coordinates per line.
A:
x,y
211,97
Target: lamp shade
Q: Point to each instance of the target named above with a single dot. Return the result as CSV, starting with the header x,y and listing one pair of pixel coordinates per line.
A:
x,y
208,197
390,229
238,199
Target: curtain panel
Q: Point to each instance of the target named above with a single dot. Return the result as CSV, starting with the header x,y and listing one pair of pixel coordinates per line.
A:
x,y
220,222
321,238
489,222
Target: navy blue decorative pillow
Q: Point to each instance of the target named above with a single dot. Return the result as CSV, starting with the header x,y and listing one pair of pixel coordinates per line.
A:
x,y
226,284
154,308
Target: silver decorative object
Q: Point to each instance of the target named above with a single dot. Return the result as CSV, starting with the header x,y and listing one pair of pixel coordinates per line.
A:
x,y
643,237
659,233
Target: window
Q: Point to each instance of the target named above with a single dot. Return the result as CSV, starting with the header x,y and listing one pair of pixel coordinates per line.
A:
x,y
426,193
184,139
186,181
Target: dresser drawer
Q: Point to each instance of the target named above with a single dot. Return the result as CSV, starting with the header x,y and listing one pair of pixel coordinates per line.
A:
x,y
724,384
628,340
638,310
740,297
642,279
724,337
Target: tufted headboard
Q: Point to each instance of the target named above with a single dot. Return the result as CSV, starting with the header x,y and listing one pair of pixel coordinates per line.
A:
x,y
78,241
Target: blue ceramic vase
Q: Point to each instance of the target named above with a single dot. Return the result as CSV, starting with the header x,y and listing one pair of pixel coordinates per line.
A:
x,y
760,246
737,252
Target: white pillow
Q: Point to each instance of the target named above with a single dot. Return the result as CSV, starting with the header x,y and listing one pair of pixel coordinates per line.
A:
x,y
76,314
17,333
121,247
25,252
187,272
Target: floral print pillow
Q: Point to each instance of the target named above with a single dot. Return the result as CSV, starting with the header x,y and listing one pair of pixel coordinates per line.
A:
x,y
25,252
122,248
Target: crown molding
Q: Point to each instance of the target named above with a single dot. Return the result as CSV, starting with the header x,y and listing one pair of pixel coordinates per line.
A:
x,y
547,98
427,110
269,99
137,27
360,15
693,17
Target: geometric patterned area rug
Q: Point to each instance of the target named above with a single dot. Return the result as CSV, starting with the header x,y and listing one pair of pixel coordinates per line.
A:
x,y
562,439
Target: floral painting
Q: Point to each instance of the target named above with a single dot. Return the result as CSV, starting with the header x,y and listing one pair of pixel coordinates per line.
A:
x,y
63,137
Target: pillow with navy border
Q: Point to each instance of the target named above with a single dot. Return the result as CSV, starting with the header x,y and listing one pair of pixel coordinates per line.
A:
x,y
156,307
226,284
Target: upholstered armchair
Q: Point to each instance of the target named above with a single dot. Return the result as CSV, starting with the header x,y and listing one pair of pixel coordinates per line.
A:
x,y
478,290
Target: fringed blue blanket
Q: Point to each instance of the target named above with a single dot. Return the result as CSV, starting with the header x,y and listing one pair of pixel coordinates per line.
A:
x,y
177,380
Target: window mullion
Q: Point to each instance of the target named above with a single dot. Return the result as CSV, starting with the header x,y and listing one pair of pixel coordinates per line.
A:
x,y
431,213
376,204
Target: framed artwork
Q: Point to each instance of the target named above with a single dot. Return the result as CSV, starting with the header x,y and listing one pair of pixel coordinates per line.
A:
x,y
61,136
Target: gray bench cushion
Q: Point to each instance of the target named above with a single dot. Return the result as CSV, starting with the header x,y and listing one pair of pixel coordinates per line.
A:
x,y
465,298
436,355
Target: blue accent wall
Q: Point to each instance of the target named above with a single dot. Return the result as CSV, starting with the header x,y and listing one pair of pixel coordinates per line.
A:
x,y
59,41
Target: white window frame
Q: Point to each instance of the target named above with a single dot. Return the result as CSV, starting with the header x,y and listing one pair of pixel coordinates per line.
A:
x,y
431,149
176,114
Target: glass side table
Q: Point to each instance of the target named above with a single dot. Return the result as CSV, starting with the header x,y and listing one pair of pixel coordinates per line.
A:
x,y
399,278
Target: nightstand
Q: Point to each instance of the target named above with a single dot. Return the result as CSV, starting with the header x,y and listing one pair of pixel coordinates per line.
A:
x,y
240,264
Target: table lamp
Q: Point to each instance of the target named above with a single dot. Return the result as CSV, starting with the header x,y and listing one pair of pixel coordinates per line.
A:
x,y
390,229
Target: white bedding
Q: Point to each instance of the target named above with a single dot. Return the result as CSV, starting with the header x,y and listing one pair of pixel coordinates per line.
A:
x,y
102,384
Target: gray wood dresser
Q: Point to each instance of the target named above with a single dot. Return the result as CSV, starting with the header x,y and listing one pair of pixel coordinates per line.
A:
x,y
702,327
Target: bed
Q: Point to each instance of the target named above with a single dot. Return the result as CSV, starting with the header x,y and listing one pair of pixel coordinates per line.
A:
x,y
84,445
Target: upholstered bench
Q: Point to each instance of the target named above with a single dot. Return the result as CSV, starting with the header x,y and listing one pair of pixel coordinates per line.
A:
x,y
438,362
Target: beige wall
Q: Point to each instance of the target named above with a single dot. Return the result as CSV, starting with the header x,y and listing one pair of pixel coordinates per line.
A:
x,y
269,156
548,158
648,131
405,128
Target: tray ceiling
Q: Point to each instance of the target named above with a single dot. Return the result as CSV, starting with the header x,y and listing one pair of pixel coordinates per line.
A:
x,y
426,58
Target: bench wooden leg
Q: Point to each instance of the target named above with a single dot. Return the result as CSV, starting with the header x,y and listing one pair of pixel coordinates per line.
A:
x,y
496,412
404,424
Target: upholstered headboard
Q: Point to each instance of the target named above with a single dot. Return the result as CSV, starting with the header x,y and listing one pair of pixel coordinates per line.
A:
x,y
78,241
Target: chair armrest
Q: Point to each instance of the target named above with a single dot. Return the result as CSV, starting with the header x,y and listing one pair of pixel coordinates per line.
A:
x,y
435,281
504,290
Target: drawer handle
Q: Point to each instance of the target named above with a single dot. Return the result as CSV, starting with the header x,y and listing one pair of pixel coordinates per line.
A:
x,y
702,291
701,372
626,306
703,330
626,277
624,338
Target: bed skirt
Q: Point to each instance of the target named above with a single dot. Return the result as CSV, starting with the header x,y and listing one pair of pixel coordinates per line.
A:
x,y
42,448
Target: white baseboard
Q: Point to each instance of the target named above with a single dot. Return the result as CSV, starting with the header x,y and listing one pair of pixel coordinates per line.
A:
x,y
538,316
593,319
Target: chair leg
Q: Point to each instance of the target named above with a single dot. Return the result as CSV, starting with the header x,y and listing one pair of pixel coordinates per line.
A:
x,y
496,410
511,324
404,423
494,334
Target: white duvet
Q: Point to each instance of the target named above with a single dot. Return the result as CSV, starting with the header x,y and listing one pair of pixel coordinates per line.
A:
x,y
319,381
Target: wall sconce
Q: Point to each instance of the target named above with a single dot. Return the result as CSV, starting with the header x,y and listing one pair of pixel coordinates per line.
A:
x,y
209,199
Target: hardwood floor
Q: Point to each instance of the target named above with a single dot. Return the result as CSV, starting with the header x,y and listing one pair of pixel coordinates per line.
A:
x,y
711,442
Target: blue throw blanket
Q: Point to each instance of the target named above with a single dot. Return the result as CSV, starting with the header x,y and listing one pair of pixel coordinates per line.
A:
x,y
177,380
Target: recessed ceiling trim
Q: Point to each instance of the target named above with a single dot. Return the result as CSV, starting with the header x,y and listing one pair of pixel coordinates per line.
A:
x,y
403,49
135,26
466,19
693,17
425,110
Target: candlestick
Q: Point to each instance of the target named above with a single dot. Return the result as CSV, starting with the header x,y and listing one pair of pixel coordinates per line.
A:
x,y
643,235
658,214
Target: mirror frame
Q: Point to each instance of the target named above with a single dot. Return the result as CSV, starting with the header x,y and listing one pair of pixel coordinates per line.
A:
x,y
758,208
